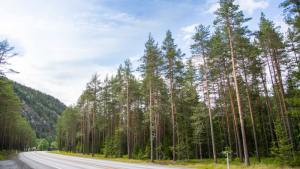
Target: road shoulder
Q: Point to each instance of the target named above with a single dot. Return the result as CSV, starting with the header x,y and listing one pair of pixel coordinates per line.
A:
x,y
15,163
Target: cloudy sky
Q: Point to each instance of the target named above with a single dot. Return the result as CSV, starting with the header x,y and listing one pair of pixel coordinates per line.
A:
x,y
61,43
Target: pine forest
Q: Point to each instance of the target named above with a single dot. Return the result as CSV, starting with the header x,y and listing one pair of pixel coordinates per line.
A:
x,y
238,93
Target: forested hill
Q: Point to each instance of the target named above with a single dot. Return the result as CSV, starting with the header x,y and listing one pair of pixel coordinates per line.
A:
x,y
39,109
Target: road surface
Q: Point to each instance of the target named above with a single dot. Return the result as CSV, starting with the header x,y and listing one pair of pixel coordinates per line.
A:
x,y
44,160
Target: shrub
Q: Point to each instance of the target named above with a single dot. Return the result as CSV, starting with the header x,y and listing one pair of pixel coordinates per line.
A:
x,y
282,152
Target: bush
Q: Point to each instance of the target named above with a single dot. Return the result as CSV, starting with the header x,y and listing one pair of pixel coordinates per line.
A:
x,y
54,146
1,158
43,145
135,151
282,153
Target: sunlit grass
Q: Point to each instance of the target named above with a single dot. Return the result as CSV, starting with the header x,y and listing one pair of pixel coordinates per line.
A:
x,y
266,163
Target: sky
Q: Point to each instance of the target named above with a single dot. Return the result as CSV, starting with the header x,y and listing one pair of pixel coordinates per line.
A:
x,y
61,43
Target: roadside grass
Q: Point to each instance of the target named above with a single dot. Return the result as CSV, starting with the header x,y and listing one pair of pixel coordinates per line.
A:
x,y
7,155
266,163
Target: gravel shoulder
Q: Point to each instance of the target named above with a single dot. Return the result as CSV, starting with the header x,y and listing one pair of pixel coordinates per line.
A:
x,y
15,163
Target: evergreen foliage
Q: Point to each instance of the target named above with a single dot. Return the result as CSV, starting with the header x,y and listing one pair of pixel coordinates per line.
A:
x,y
5,55
282,153
15,132
238,93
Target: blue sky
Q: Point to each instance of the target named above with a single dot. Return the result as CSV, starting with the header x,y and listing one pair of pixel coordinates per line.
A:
x,y
61,43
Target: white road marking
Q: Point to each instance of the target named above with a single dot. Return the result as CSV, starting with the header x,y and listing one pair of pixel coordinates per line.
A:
x,y
41,162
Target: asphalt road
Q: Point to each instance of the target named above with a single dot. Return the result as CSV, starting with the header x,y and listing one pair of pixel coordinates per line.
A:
x,y
44,160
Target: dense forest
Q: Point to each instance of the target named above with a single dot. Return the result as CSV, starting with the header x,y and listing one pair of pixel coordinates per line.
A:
x,y
239,92
15,131
27,114
39,109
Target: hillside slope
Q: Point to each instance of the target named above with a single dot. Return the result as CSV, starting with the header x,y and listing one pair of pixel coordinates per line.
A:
x,y
39,109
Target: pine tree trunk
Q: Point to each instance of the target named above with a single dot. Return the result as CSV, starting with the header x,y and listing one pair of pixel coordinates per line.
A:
x,y
157,123
3,126
251,112
8,135
275,96
228,122
61,139
173,114
224,130
247,162
128,122
120,126
81,148
178,141
84,133
263,123
88,130
268,106
200,148
151,139
279,94
75,132
234,114
186,142
209,111
220,135
93,133
208,145
288,117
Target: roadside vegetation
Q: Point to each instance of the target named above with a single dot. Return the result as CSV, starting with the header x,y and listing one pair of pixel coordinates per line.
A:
x,y
266,163
7,155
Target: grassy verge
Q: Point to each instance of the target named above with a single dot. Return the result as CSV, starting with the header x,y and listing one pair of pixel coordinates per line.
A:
x,y
266,163
7,155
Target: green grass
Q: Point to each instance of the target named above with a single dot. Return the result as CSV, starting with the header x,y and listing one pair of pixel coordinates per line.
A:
x,y
266,163
7,155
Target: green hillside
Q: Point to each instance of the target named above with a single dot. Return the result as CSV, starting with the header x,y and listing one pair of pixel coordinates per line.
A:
x,y
39,109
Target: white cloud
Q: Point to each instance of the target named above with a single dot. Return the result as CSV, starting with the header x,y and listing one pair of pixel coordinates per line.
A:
x,y
279,21
213,8
246,5
137,57
250,5
188,36
187,33
189,29
64,44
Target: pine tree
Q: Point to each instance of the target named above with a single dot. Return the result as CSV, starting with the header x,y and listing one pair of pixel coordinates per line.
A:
x,y
171,56
151,54
273,40
228,16
244,49
94,86
291,8
127,70
4,56
200,47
